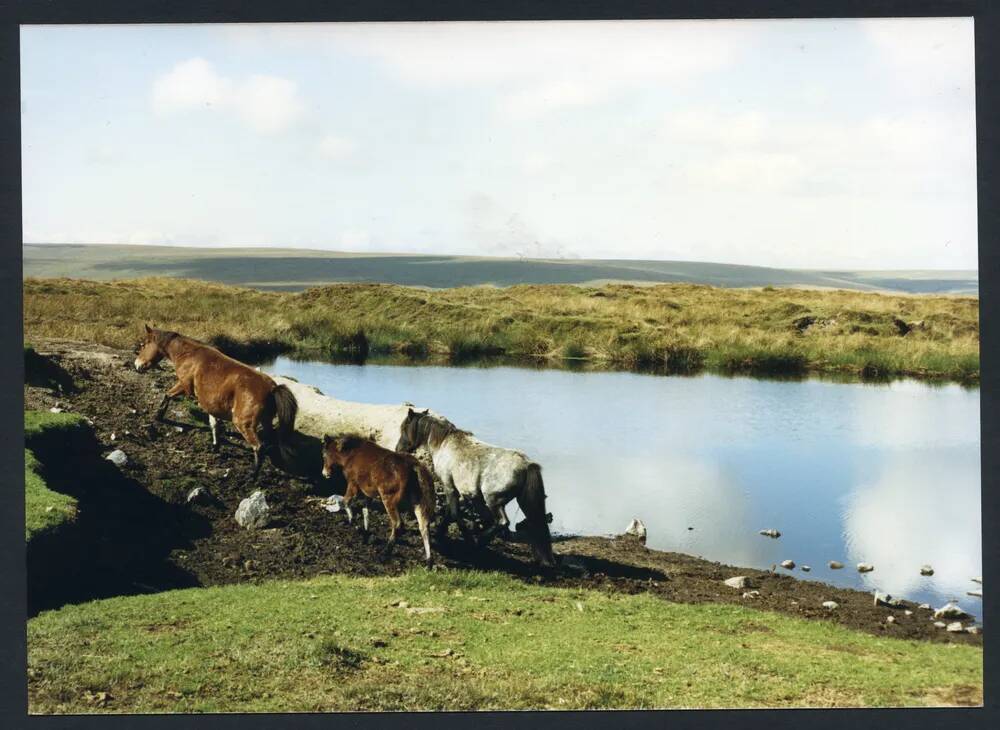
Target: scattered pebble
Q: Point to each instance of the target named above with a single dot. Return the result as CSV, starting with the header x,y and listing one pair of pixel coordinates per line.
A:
x,y
835,565
805,568
978,579
179,429
976,594
751,594
55,409
890,619
951,610
940,624
926,570
830,605
925,606
972,630
908,612
770,532
884,599
199,495
865,567
787,564
955,627
117,457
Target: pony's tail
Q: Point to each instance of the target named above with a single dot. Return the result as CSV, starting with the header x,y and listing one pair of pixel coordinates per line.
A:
x,y
531,500
286,408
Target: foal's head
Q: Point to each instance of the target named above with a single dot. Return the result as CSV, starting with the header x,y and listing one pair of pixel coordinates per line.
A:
x,y
336,450
151,351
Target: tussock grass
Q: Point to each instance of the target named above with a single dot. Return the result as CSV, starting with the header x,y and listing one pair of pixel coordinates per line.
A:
x,y
338,643
45,509
670,327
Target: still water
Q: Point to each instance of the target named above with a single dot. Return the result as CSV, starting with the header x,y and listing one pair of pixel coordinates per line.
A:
x,y
887,474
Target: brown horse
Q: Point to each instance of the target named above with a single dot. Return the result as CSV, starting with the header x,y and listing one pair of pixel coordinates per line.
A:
x,y
225,389
398,479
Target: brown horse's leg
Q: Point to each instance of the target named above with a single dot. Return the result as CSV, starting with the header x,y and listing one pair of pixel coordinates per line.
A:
x,y
248,429
391,503
348,496
178,389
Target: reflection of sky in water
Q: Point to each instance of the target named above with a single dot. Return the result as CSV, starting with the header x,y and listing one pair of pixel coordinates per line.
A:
x,y
886,474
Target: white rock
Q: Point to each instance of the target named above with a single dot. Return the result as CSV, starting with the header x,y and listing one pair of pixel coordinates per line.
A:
x,y
55,409
976,594
908,612
831,605
805,568
751,594
771,532
787,564
925,606
112,435
978,579
738,581
199,495
333,503
179,429
972,629
253,511
884,599
890,619
955,627
926,570
637,528
865,567
951,610
835,565
117,457
940,624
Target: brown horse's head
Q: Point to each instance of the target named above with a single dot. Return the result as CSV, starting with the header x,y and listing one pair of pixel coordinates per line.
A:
x,y
335,450
151,350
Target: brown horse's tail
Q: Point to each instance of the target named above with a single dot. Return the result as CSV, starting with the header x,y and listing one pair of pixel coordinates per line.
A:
x,y
285,408
531,500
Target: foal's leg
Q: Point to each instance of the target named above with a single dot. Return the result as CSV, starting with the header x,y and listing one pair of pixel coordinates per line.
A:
x,y
348,496
178,389
392,510
423,522
248,429
213,423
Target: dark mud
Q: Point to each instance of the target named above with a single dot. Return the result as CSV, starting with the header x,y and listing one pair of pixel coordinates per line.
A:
x,y
136,533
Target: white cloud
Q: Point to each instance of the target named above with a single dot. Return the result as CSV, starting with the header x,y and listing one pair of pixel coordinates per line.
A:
x,y
265,103
714,127
926,52
336,147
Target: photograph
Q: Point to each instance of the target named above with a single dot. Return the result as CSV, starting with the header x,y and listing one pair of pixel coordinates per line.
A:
x,y
479,366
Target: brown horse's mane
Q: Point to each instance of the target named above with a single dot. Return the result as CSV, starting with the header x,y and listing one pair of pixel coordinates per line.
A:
x,y
350,441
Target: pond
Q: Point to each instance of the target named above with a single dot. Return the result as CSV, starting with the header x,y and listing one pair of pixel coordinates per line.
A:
x,y
887,474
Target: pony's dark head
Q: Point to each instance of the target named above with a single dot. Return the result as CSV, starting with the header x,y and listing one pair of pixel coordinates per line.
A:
x,y
335,450
411,435
152,349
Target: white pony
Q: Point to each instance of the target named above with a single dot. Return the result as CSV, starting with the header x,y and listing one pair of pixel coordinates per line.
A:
x,y
487,476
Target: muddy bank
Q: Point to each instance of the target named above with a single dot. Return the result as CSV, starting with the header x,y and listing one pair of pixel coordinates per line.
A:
x,y
155,541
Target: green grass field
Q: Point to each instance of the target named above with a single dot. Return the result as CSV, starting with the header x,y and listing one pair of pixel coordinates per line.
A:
x,y
671,327
485,641
44,509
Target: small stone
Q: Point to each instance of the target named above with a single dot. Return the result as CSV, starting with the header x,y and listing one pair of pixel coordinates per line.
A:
x,y
907,612
770,532
751,594
865,567
955,627
831,605
975,594
972,629
253,511
978,579
117,457
738,581
333,503
926,570
133,411
787,564
805,568
925,606
179,429
198,495
112,435
835,565
951,610
890,619
637,529
940,624
55,409
884,599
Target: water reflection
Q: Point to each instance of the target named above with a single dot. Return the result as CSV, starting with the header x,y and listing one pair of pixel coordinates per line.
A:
x,y
887,474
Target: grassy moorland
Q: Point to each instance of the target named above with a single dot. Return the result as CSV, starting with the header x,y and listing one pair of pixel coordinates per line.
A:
x,y
673,327
464,641
44,509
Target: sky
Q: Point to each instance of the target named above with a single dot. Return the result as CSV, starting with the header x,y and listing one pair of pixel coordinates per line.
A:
x,y
790,143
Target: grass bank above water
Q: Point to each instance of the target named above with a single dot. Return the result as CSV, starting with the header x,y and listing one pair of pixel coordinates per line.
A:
x,y
674,328
45,509
474,641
